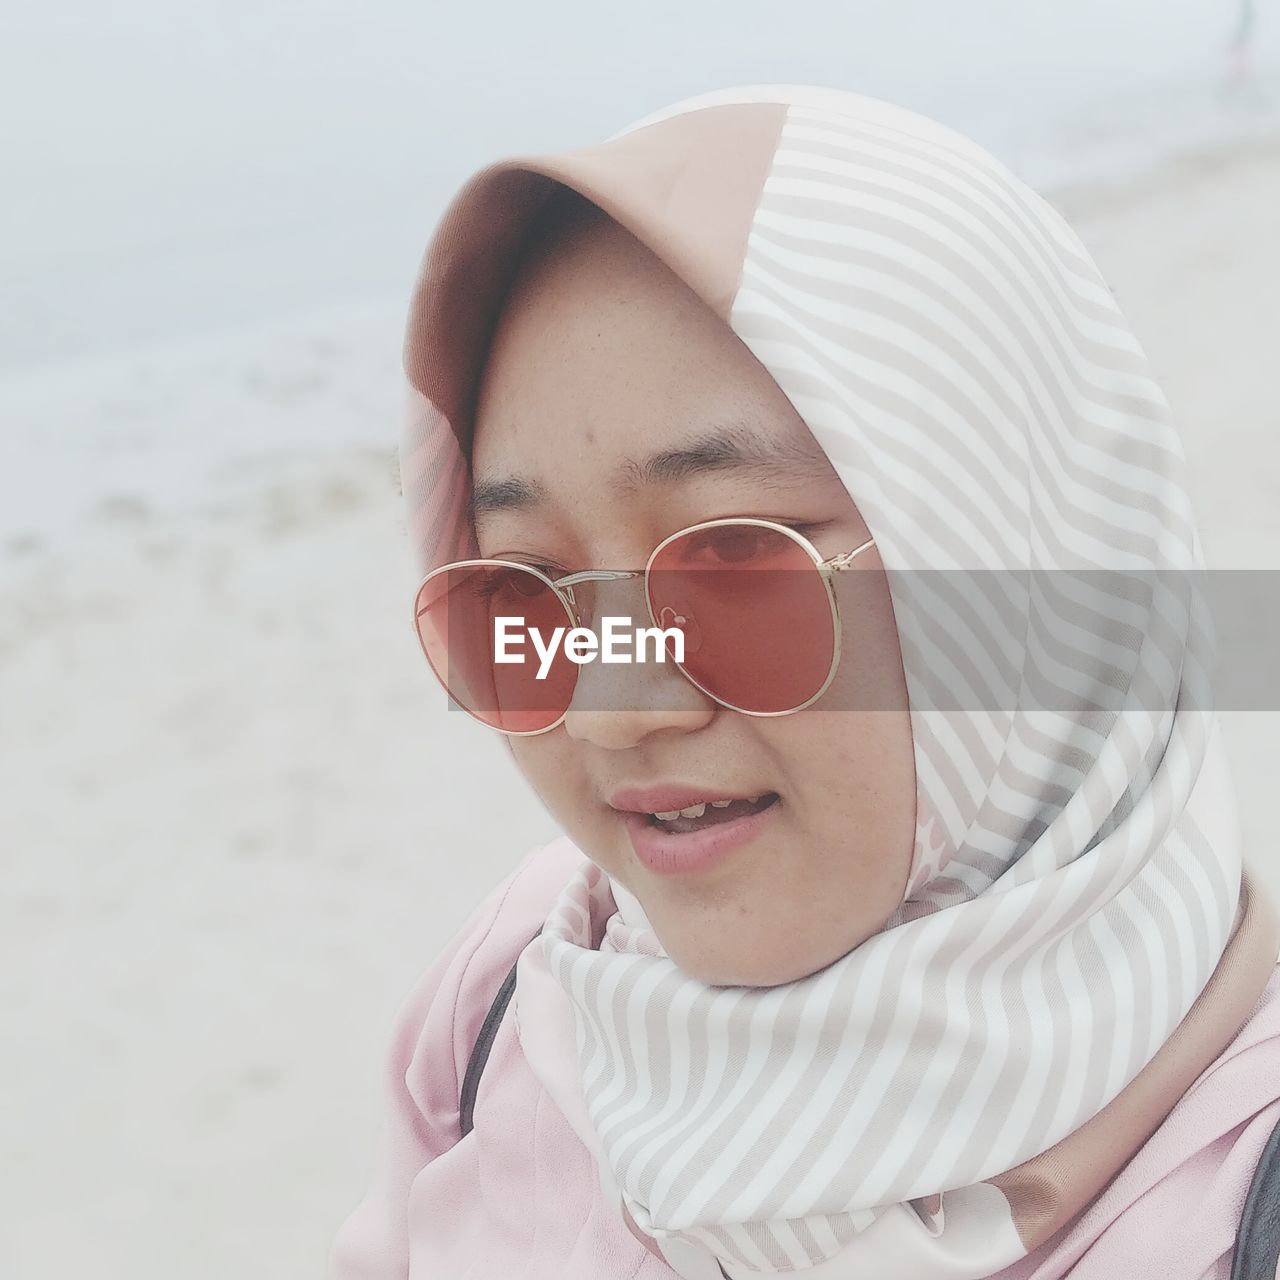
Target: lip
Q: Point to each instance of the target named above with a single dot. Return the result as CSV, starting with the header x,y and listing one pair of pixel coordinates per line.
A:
x,y
669,853
665,799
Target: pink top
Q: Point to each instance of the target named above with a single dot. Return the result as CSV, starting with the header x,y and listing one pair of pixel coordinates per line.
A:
x,y
520,1195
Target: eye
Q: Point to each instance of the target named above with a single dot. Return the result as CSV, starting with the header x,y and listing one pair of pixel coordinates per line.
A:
x,y
508,584
547,567
734,544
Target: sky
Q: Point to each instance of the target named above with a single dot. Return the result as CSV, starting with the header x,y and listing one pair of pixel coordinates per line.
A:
x,y
176,169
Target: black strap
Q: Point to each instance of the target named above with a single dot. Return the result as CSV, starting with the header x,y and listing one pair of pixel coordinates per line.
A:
x,y
1258,1244
484,1042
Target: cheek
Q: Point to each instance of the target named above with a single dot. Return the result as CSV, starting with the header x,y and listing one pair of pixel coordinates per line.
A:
x,y
864,721
850,777
869,676
546,765
858,759
852,774
551,765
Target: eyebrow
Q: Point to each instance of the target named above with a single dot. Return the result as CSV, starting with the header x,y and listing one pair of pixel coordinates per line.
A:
x,y
729,448
509,493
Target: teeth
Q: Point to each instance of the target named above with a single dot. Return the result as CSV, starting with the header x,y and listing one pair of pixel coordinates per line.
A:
x,y
697,810
693,811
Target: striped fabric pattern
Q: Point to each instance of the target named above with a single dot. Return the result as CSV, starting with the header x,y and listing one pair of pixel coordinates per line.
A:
x,y
1077,867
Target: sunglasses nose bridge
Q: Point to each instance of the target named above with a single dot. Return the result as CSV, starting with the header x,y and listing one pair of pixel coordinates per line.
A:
x,y
591,593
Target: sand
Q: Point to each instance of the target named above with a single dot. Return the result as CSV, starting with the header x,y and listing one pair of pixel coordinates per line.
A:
x,y
238,820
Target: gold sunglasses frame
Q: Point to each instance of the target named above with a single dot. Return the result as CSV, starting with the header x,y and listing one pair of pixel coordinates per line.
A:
x,y
563,589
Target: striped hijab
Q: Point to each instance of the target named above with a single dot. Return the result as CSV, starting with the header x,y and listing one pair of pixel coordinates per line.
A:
x,y
1077,939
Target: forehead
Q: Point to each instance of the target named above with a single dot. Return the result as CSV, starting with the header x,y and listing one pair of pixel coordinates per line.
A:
x,y
606,372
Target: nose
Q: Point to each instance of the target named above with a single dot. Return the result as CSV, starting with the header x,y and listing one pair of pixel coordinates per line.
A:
x,y
617,705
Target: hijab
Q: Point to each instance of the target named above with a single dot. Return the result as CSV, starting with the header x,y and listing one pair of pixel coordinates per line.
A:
x,y
1078,938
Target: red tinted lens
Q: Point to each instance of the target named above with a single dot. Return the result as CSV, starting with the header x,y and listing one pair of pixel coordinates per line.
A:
x,y
457,610
755,610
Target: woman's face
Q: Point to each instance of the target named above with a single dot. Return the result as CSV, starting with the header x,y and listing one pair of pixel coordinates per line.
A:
x,y
614,409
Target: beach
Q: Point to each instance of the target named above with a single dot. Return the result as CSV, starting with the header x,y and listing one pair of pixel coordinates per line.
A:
x,y
238,819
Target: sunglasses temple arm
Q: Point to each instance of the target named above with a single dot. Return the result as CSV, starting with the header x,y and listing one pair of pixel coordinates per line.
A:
x,y
845,561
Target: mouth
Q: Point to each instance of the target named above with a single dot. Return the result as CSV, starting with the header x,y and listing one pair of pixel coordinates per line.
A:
x,y
688,829
710,813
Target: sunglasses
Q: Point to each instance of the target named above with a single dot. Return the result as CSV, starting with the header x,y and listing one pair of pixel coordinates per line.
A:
x,y
753,601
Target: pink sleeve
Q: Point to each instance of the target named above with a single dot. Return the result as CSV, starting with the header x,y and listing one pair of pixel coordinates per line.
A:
x,y
422,1081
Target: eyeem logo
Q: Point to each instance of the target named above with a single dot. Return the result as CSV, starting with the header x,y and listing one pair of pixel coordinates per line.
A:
x,y
581,645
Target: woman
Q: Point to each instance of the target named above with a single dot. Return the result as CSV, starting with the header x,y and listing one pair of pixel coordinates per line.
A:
x,y
900,927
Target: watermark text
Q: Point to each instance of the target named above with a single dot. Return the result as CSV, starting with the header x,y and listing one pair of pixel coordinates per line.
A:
x,y
617,642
